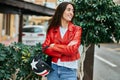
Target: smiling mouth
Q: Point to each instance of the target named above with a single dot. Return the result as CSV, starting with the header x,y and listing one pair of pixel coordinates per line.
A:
x,y
70,17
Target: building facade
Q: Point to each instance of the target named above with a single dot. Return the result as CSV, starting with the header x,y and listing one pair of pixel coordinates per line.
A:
x,y
9,23
41,20
8,26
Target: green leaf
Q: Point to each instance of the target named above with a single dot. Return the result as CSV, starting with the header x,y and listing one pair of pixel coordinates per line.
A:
x,y
100,20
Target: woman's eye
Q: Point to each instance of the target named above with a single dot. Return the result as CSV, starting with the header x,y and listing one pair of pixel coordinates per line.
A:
x,y
69,9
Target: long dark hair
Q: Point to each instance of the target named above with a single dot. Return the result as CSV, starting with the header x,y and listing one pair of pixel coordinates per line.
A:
x,y
55,21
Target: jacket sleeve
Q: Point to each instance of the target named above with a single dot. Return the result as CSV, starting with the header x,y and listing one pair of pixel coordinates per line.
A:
x,y
72,47
47,50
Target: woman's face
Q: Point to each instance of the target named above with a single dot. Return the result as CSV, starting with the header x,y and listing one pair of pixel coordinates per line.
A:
x,y
68,13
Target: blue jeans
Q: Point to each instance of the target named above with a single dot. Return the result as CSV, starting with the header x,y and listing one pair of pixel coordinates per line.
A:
x,y
62,73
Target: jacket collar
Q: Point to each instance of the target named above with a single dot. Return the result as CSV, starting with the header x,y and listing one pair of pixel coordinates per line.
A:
x,y
70,27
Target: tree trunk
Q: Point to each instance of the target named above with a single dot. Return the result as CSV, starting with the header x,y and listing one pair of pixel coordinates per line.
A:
x,y
89,63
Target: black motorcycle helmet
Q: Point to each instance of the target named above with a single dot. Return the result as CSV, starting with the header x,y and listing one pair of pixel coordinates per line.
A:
x,y
40,67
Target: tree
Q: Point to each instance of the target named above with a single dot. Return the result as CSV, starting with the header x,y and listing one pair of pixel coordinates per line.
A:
x,y
100,21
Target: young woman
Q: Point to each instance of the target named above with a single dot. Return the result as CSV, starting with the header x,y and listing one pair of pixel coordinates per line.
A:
x,y
63,40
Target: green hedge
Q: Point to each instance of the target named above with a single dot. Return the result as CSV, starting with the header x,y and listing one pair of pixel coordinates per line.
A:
x,y
15,61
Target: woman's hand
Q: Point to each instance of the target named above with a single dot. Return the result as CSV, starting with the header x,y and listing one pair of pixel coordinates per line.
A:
x,y
51,45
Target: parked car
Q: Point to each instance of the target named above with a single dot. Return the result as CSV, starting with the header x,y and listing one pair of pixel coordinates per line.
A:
x,y
33,34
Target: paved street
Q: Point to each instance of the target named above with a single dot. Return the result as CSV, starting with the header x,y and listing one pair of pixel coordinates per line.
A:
x,y
107,62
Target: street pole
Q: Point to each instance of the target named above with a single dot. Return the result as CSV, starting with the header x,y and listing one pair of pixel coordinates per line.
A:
x,y
20,27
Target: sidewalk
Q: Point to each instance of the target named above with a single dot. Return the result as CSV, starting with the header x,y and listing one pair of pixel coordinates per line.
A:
x,y
112,46
8,42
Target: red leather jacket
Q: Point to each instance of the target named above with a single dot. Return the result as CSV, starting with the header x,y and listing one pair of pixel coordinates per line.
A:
x,y
66,48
